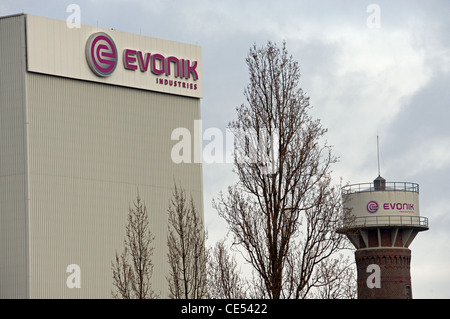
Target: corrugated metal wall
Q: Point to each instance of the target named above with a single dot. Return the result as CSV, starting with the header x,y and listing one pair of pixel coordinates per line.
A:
x,y
13,164
91,147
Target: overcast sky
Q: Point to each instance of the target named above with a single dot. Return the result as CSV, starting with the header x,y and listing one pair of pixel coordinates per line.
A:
x,y
370,68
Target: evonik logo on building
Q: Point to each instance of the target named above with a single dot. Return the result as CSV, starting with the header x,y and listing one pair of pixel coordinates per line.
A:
x,y
102,58
101,54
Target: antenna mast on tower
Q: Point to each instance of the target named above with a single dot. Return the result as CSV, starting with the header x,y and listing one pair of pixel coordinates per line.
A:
x,y
378,155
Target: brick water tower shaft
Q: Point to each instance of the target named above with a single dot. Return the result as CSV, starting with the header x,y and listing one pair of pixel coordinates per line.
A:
x,y
381,220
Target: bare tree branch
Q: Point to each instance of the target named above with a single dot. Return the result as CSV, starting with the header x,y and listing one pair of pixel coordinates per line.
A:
x,y
132,271
224,280
186,245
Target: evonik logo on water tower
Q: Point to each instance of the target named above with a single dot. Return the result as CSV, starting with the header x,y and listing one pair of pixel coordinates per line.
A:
x,y
394,207
372,207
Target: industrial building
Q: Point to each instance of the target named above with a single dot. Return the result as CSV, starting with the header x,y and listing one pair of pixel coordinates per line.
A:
x,y
86,117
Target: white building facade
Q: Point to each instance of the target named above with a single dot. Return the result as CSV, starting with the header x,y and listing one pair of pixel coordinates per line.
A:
x,y
86,116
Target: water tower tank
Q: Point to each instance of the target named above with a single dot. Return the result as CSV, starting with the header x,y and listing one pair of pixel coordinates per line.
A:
x,y
381,220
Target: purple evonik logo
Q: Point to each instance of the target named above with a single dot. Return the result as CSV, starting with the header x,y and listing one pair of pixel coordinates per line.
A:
x,y
372,207
101,54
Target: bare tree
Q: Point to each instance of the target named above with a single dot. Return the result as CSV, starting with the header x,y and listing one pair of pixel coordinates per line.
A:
x,y
224,280
132,270
283,210
186,245
335,279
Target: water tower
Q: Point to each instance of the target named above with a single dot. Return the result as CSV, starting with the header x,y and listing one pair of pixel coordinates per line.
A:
x,y
381,220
